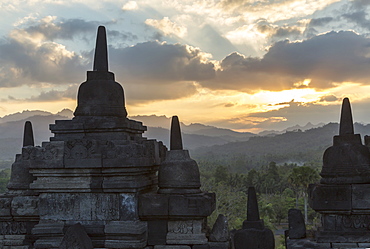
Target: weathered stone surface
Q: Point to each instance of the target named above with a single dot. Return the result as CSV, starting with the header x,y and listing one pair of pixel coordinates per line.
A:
x,y
76,238
297,227
186,232
20,177
164,206
50,155
126,227
360,197
79,206
157,232
220,230
306,244
5,207
254,238
25,206
219,245
153,205
200,205
178,174
204,246
330,197
172,247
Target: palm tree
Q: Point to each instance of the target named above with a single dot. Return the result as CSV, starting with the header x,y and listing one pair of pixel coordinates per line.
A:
x,y
299,179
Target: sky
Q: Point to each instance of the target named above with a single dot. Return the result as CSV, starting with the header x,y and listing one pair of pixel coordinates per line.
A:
x,y
246,65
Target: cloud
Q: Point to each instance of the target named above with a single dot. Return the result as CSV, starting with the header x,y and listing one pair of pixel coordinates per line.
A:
x,y
167,27
326,60
55,95
318,22
130,5
160,63
328,98
359,17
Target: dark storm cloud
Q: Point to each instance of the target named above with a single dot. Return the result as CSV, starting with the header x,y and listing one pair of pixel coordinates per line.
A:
x,y
330,58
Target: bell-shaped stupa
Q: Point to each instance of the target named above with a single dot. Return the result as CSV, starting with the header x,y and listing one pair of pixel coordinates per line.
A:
x,y
348,160
178,174
100,95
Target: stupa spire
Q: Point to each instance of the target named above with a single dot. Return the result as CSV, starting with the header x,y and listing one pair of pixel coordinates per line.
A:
x,y
252,205
346,121
28,135
175,140
101,52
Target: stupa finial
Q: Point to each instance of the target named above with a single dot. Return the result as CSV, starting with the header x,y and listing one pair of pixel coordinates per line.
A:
x,y
101,52
176,140
252,205
28,135
346,121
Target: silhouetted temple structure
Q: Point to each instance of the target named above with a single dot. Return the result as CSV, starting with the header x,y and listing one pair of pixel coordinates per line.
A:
x,y
95,183
343,195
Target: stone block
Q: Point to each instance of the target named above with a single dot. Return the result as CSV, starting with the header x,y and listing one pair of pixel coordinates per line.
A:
x,y
126,183
346,223
14,240
82,153
204,246
76,238
15,227
186,232
306,244
93,228
330,197
219,245
124,243
49,228
360,196
157,232
220,230
5,207
344,245
50,155
67,206
128,207
297,227
171,247
153,205
200,205
25,206
48,242
126,227
254,238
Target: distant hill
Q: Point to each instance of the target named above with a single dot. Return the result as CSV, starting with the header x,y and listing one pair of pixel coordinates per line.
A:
x,y
308,126
11,133
207,144
290,147
194,135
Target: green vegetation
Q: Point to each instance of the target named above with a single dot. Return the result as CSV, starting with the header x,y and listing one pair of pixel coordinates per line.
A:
x,y
4,179
278,187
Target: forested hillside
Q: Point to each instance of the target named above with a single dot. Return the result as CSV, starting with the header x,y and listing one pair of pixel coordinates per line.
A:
x,y
300,147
